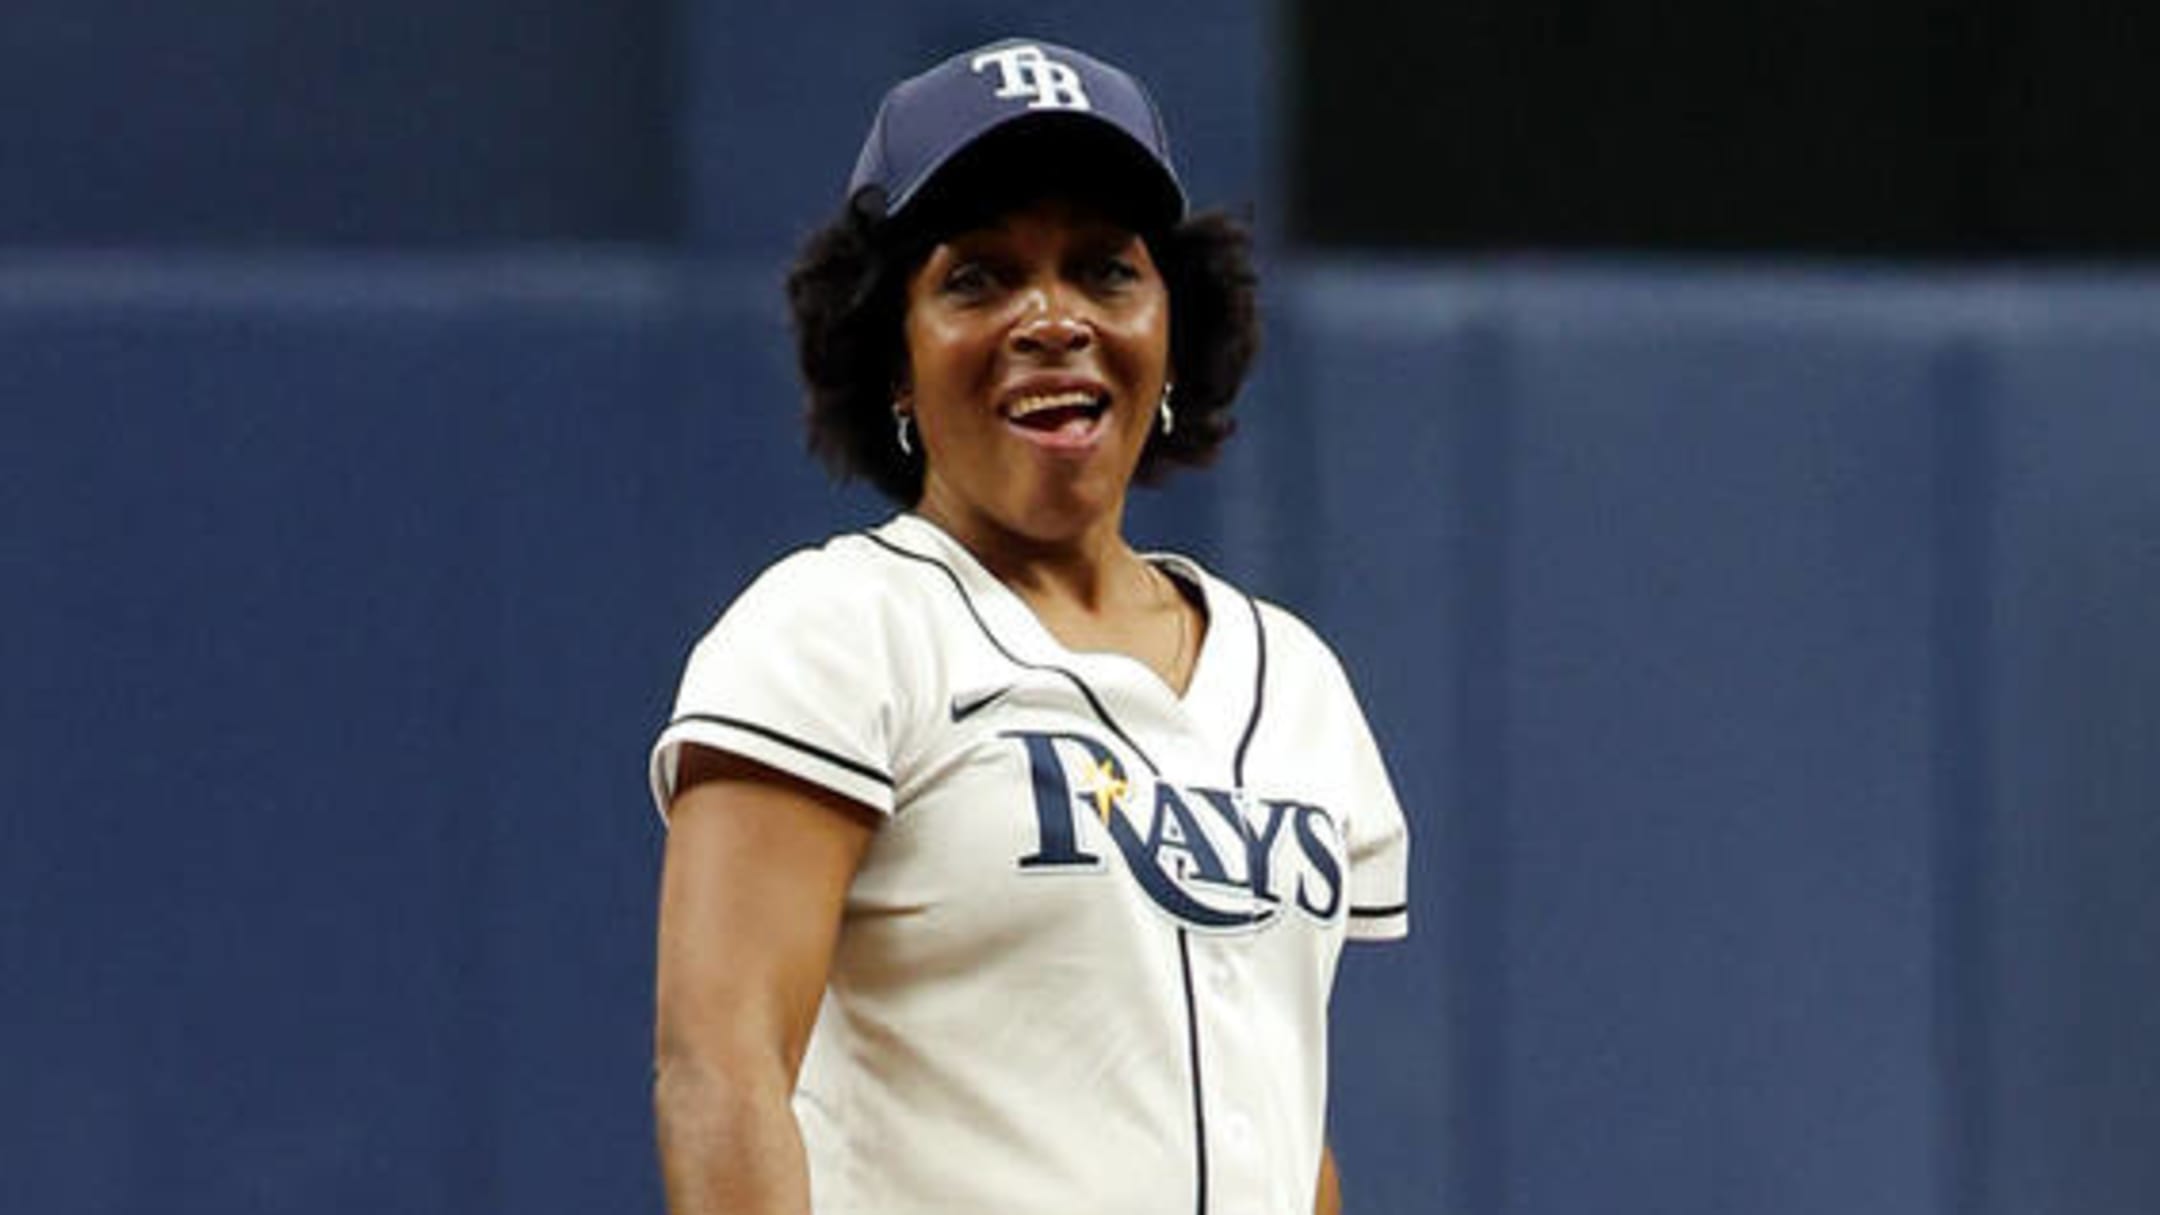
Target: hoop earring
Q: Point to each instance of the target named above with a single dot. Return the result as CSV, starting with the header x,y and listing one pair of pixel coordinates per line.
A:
x,y
903,423
1169,419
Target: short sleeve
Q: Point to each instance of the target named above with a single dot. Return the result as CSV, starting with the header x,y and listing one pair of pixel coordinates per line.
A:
x,y
1379,841
1314,714
798,674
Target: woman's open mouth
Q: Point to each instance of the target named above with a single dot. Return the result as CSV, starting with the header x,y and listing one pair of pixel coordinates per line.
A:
x,y
1068,419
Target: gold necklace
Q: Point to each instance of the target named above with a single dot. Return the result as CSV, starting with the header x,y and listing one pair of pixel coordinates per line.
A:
x,y
1174,597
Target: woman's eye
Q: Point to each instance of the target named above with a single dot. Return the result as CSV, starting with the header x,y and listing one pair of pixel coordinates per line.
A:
x,y
1116,272
968,278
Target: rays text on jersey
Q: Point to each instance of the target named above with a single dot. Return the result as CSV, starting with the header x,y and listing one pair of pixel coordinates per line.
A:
x,y
1211,858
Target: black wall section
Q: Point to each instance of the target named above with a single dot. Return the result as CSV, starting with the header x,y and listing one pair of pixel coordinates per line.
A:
x,y
261,122
1908,127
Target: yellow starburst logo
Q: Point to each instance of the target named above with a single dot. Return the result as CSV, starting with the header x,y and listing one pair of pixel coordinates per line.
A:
x,y
1107,788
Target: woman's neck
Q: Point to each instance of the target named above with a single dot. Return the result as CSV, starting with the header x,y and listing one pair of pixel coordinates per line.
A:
x,y
1090,591
1092,570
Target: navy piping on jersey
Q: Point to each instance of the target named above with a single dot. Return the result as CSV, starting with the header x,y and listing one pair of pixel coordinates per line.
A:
x,y
1237,777
863,770
1102,714
1192,1048
1378,913
1259,690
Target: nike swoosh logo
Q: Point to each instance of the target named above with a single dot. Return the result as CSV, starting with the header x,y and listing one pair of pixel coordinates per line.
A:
x,y
962,711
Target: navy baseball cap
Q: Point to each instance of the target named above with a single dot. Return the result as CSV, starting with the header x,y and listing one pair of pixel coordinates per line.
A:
x,y
1025,103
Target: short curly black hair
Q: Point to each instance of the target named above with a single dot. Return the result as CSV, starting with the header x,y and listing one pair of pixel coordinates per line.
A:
x,y
847,294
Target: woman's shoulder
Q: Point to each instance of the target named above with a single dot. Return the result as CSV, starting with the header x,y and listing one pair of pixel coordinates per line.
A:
x,y
833,564
850,578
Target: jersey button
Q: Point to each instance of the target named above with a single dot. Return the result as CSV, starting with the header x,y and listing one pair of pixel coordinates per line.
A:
x,y
1222,977
1238,1133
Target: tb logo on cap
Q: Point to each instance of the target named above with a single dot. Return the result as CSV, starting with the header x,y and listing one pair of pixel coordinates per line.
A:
x,y
1024,71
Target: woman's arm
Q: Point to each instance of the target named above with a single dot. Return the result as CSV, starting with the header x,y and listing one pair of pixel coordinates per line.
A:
x,y
1329,1199
756,875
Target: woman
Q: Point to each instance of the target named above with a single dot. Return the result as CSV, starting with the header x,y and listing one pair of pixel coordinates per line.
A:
x,y
1007,867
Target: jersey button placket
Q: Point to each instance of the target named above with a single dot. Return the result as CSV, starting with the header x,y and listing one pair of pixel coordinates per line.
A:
x,y
1239,1167
1223,978
1245,1170
1238,1133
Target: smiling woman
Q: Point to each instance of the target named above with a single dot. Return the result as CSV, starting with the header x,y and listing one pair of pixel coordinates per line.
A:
x,y
849,290
998,849
1038,353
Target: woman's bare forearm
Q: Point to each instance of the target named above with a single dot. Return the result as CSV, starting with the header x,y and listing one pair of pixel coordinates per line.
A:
x,y
729,1144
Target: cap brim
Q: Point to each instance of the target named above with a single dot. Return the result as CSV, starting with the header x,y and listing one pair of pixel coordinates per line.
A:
x,y
1028,157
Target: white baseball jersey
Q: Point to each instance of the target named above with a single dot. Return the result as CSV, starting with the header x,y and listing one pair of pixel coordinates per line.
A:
x,y
1085,964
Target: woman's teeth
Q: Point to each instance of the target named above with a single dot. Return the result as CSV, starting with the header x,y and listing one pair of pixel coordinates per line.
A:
x,y
1025,406
1070,413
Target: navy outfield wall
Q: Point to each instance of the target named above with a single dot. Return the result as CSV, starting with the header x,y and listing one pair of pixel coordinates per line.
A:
x,y
1768,657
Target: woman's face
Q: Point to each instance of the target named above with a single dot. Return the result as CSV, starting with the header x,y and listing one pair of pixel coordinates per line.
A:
x,y
1037,348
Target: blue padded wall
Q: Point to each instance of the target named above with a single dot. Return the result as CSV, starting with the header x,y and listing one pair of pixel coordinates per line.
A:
x,y
268,122
1785,696
1387,375
328,691
2065,909
1637,528
1718,598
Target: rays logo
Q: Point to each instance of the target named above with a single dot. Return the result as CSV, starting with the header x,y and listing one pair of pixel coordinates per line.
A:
x,y
1024,71
1210,858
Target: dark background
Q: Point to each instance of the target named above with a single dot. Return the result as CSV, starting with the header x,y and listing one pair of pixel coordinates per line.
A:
x,y
1877,128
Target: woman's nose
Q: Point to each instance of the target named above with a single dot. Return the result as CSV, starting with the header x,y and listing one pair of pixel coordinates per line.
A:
x,y
1051,325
